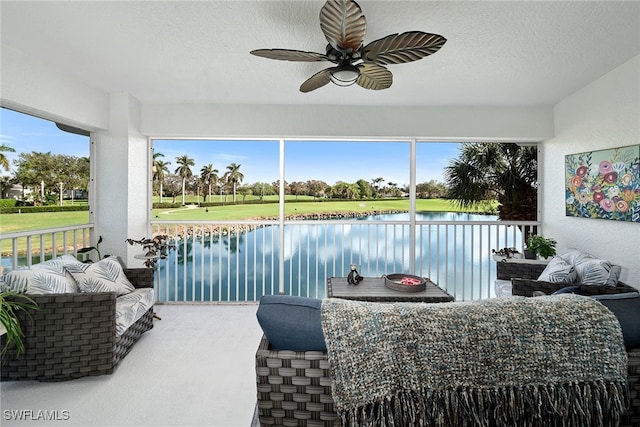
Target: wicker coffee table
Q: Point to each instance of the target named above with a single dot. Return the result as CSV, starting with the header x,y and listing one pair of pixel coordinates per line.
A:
x,y
373,289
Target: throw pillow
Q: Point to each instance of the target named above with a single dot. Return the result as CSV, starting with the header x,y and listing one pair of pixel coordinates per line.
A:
x,y
575,256
558,271
105,275
598,272
49,277
291,323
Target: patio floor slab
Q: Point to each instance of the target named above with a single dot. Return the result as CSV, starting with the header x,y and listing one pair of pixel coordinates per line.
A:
x,y
196,367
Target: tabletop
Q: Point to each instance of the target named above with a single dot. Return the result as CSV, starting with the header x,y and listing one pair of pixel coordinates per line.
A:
x,y
373,289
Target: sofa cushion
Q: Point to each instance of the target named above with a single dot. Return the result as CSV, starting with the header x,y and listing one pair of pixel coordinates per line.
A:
x,y
558,271
291,323
598,272
591,270
575,256
105,275
49,277
131,307
502,288
627,310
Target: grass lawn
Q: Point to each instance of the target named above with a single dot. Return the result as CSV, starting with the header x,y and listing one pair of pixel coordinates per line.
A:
x,y
22,222
243,212
33,221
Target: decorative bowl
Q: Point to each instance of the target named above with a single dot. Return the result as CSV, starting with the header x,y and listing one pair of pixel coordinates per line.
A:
x,y
405,282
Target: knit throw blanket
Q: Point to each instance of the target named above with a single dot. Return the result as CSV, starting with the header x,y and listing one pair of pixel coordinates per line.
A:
x,y
545,361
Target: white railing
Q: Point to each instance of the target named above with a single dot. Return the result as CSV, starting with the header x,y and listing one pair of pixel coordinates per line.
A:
x,y
25,248
241,261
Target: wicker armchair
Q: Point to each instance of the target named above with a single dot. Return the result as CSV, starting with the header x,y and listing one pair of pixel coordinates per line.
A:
x,y
74,335
294,388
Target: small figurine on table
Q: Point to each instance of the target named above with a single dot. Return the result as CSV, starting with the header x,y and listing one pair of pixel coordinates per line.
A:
x,y
354,278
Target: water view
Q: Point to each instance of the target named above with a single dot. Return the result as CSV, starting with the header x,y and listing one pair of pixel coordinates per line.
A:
x,y
453,249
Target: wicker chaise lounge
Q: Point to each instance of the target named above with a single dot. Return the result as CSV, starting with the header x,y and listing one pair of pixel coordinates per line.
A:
x,y
74,335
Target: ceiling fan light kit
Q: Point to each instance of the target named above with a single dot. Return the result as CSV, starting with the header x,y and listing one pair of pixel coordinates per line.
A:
x,y
345,75
344,27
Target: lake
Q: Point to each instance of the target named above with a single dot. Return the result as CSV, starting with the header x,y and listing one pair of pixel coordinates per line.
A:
x,y
246,266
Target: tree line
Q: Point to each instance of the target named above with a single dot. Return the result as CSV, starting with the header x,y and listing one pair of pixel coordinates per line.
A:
x,y
506,172
47,176
229,182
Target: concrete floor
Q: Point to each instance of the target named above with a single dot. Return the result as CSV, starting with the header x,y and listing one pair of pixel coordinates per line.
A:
x,y
196,367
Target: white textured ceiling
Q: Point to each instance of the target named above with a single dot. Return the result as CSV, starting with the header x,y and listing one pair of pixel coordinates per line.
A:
x,y
497,53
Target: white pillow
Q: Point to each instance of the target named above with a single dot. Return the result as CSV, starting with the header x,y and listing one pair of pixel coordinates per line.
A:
x,y
575,256
598,272
558,271
105,275
49,277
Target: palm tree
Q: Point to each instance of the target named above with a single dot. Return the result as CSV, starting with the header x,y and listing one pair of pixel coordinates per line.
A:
x,y
4,162
160,167
503,172
184,171
234,176
376,184
209,176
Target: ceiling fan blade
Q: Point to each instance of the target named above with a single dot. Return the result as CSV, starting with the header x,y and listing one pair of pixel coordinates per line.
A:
x,y
374,76
316,81
343,24
401,48
290,55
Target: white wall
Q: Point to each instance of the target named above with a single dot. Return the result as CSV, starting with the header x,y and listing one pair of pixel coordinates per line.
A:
x,y
33,87
327,121
604,114
122,174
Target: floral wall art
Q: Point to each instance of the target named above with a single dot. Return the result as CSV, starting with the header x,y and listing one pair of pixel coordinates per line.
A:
x,y
604,184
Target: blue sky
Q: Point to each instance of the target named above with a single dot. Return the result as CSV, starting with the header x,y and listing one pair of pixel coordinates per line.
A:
x,y
259,160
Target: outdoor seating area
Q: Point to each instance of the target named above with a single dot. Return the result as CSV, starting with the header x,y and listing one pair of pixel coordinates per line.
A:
x,y
194,368
296,379
75,334
524,114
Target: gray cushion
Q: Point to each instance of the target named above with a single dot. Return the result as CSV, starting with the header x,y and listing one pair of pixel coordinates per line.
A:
x,y
627,310
598,272
558,271
291,323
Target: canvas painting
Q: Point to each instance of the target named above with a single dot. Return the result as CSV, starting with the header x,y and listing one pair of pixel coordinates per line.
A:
x,y
604,184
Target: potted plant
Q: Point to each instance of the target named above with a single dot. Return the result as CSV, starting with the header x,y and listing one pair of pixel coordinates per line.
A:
x,y
543,246
92,248
156,248
10,304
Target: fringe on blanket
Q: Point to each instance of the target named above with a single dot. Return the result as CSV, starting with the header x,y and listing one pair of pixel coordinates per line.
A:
x,y
592,404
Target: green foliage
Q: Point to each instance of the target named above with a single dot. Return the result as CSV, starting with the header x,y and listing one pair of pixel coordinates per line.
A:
x,y
505,172
7,203
543,246
92,248
166,205
10,304
39,209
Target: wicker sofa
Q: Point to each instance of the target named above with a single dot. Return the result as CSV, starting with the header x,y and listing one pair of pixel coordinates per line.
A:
x,y
74,335
294,387
524,280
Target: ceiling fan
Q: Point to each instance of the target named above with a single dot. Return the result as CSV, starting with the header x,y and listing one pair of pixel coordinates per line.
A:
x,y
344,27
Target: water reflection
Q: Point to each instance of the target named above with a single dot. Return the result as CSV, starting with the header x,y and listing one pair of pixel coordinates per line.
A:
x,y
243,267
